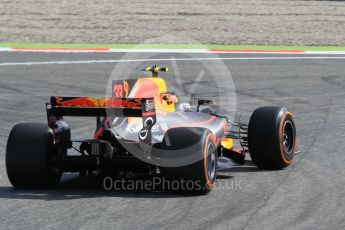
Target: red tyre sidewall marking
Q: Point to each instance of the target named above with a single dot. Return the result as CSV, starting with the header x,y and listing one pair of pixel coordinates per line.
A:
x,y
282,121
209,183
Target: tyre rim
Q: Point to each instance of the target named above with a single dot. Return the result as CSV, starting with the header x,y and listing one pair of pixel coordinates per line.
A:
x,y
211,161
288,137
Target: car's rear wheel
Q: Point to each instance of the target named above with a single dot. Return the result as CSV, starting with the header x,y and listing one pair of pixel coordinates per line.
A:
x,y
27,152
198,176
272,137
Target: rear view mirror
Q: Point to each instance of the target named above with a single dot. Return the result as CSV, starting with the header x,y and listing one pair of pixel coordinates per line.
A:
x,y
205,102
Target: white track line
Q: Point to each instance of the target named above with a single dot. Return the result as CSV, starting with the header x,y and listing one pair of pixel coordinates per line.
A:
x,y
5,49
164,59
325,52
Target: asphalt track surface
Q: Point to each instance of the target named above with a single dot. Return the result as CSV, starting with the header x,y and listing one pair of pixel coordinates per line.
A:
x,y
308,195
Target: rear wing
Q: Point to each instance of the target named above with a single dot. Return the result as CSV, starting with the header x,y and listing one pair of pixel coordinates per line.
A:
x,y
110,107
97,107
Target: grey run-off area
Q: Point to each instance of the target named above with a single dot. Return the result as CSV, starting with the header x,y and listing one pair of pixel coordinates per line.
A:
x,y
268,22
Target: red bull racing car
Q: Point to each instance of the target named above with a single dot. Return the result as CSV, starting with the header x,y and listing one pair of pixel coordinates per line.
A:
x,y
144,129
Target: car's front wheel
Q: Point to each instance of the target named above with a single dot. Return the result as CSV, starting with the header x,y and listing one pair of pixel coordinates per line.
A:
x,y
272,137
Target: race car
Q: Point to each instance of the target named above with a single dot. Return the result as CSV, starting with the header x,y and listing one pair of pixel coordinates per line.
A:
x,y
143,129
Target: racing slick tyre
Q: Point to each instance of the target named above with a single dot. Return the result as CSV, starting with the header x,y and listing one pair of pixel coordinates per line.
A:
x,y
198,177
272,137
27,151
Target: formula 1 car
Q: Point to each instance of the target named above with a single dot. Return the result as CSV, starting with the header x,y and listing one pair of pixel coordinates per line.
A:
x,y
144,129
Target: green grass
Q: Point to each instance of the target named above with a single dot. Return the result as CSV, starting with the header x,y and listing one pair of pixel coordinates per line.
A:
x,y
169,46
